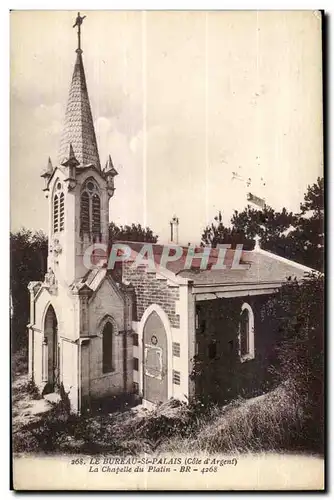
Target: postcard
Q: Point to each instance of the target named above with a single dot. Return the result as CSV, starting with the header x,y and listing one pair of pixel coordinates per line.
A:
x,y
167,241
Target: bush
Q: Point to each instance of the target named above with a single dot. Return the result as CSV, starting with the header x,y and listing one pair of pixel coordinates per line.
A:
x,y
301,350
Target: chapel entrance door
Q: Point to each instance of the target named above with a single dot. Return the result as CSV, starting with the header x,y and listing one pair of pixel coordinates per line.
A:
x,y
51,338
155,369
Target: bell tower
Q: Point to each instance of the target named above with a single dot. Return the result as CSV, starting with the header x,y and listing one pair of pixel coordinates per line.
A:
x,y
78,190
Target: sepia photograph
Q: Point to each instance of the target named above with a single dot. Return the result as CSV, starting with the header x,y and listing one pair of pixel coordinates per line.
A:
x,y
167,250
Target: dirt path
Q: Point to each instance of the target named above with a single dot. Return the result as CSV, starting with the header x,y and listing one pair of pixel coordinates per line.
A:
x,y
25,409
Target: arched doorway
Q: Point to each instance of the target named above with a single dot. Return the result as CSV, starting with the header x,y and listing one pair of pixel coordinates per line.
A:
x,y
51,357
155,360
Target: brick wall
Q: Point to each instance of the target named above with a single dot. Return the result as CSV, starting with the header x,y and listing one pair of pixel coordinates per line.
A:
x,y
150,290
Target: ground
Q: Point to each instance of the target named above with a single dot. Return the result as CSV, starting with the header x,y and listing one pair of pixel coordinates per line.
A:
x,y
274,422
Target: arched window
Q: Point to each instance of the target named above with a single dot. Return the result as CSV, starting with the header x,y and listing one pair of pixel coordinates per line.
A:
x,y
246,333
58,208
61,212
90,210
55,213
96,209
107,348
84,213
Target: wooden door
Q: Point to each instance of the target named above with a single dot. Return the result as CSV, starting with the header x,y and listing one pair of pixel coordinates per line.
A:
x,y
155,362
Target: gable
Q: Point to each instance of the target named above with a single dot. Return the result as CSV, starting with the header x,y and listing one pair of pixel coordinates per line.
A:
x,y
107,300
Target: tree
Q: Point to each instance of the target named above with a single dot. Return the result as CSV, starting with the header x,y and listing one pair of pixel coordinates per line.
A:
x,y
299,237
269,225
216,233
28,263
300,352
309,233
135,232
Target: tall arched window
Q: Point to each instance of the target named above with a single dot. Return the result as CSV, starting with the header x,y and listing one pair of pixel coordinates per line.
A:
x,y
61,212
58,208
96,211
84,213
90,210
107,348
55,213
246,333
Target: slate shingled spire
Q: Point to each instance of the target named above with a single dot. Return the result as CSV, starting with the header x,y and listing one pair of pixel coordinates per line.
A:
x,y
78,128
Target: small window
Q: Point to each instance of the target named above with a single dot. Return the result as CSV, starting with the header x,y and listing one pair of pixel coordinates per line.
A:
x,y
135,364
197,319
107,348
135,339
176,377
135,388
200,323
176,349
246,333
212,349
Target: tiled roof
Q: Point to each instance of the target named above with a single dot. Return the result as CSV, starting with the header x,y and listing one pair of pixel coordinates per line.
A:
x,y
261,269
261,266
78,128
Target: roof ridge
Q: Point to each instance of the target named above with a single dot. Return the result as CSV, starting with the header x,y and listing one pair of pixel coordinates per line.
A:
x,y
290,262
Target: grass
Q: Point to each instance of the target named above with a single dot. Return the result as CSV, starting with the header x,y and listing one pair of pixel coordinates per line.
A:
x,y
277,421
271,422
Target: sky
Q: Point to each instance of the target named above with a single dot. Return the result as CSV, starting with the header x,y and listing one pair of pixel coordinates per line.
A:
x,y
180,101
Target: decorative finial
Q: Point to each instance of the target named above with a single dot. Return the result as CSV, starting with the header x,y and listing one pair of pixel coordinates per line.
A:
x,y
257,239
47,172
71,160
109,168
78,22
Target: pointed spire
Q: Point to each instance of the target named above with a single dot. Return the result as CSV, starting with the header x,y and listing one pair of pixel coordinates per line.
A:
x,y
109,168
47,171
70,160
78,128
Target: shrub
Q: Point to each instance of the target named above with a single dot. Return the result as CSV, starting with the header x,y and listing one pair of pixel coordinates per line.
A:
x,y
301,349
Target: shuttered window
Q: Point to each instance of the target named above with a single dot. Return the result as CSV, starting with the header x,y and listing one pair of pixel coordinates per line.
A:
x,y
84,213
176,377
176,349
96,211
90,211
61,212
55,213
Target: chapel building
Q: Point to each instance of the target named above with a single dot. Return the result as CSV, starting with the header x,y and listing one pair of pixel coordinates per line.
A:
x,y
100,332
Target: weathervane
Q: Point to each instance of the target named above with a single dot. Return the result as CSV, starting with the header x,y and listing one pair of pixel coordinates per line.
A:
x,y
78,22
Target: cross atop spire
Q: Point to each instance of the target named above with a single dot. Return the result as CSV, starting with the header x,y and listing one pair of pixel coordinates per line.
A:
x,y
78,23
